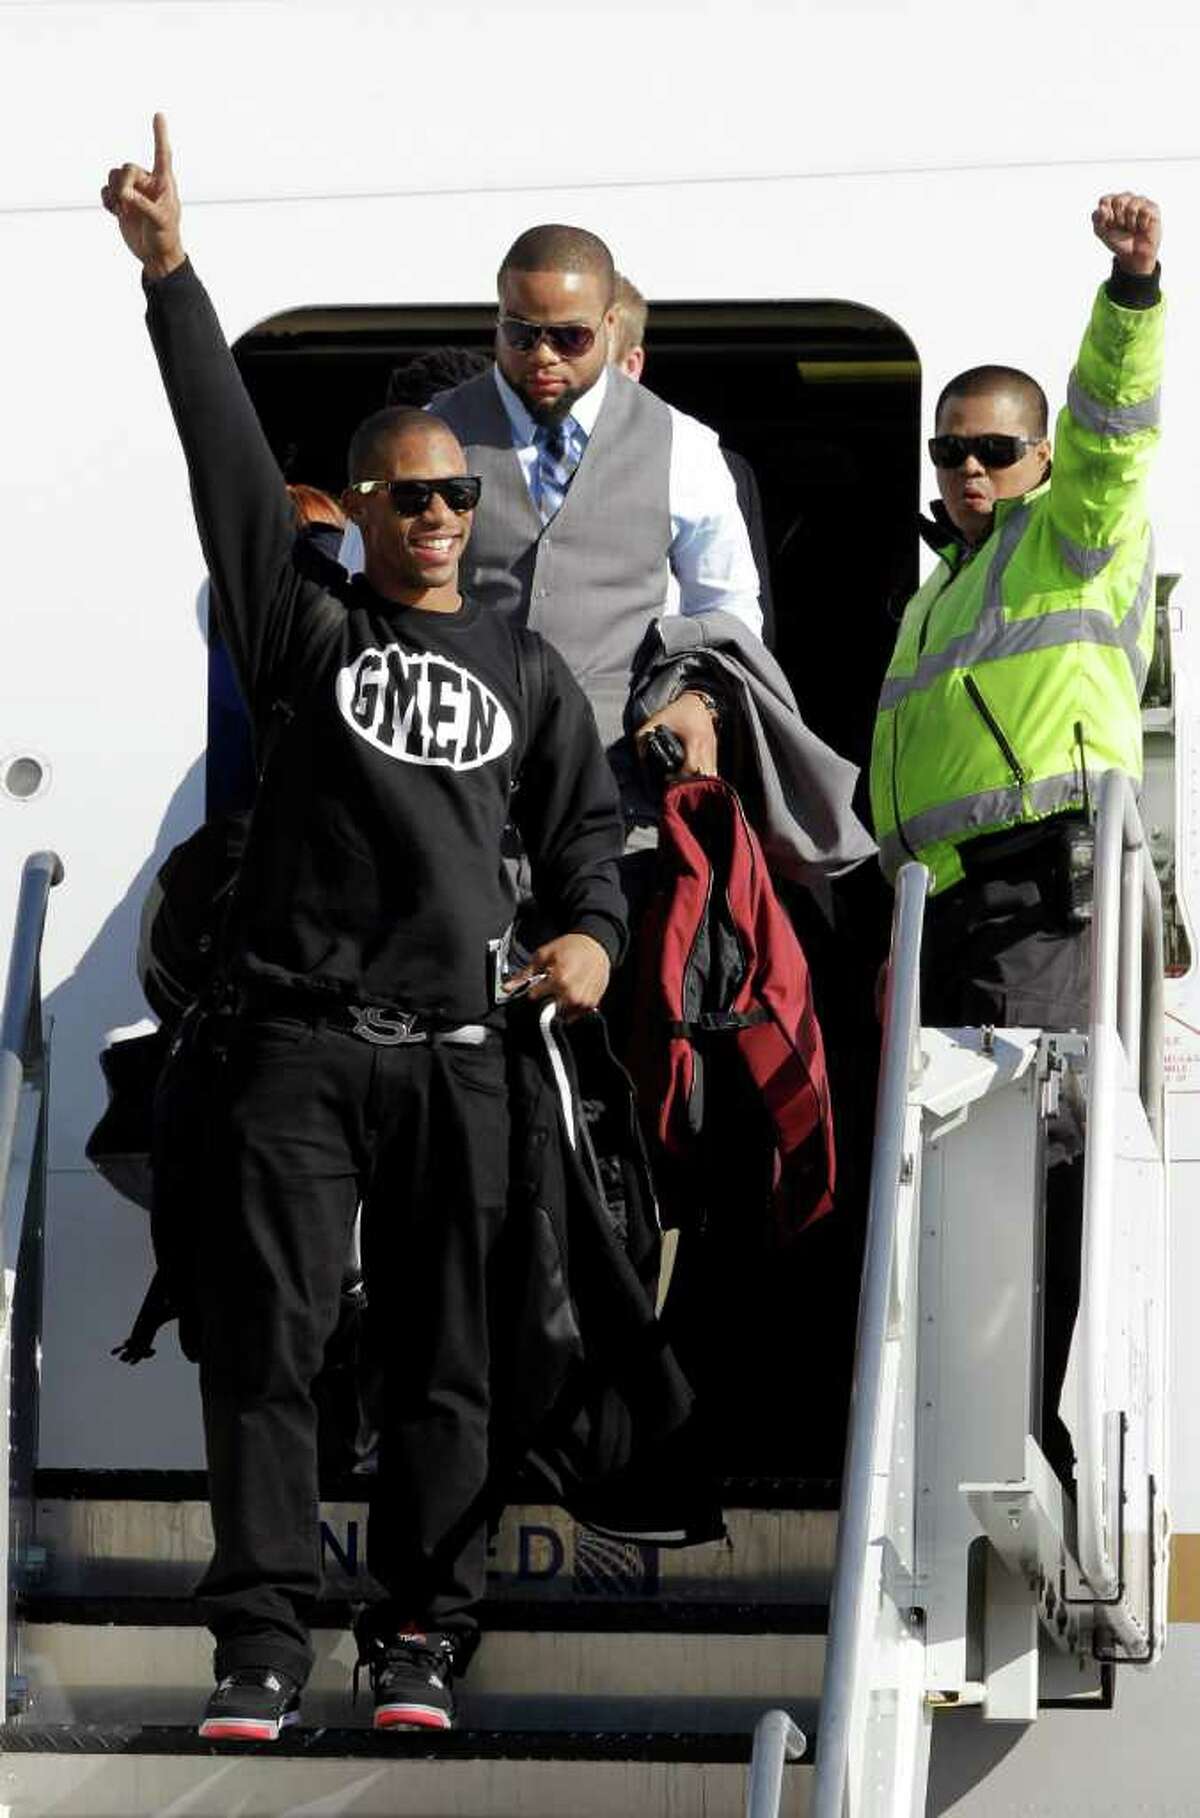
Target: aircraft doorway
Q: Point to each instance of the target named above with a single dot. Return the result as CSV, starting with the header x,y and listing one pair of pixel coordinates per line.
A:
x,y
823,400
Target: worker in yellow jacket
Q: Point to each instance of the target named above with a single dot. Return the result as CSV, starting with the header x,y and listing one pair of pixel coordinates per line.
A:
x,y
1019,665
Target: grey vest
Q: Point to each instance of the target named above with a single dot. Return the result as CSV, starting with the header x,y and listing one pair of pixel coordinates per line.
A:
x,y
594,577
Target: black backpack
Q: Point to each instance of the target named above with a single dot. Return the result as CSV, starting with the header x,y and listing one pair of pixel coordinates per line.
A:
x,y
178,945
183,915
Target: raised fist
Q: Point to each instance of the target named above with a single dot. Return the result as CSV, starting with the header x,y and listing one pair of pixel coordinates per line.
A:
x,y
1131,228
146,204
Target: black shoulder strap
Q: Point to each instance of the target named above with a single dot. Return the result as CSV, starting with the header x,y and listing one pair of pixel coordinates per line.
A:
x,y
279,716
278,720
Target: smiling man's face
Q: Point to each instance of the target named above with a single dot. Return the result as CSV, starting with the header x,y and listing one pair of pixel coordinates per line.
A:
x,y
414,559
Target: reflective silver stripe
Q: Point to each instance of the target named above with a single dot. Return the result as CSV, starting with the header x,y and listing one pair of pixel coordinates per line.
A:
x,y
1068,625
974,645
972,813
1013,529
1112,419
1130,628
1050,632
1086,563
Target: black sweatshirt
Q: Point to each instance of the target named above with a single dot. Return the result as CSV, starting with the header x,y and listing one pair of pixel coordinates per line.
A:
x,y
397,742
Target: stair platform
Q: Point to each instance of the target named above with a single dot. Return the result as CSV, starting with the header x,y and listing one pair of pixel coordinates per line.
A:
x,y
140,1772
611,1677
149,1534
556,1667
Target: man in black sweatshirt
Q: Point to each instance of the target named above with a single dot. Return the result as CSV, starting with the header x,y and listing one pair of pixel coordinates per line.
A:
x,y
363,1058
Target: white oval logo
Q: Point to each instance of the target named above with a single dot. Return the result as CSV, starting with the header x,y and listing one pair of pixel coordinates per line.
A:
x,y
423,709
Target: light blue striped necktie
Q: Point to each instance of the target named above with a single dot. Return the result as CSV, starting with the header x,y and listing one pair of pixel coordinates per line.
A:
x,y
555,465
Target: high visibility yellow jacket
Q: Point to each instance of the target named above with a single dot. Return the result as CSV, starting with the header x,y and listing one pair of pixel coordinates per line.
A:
x,y
1019,666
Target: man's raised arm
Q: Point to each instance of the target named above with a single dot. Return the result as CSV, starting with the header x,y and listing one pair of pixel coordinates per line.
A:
x,y
1108,432
242,508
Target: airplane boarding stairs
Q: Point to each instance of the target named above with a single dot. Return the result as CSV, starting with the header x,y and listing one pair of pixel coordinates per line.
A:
x,y
614,1679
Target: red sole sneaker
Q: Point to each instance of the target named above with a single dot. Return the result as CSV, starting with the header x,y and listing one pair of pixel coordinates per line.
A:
x,y
244,1729
411,1717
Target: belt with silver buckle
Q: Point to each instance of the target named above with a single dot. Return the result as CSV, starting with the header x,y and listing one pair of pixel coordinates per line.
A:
x,y
387,1028
383,1025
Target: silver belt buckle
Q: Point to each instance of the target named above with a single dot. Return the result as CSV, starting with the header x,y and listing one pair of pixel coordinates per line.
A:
x,y
385,1028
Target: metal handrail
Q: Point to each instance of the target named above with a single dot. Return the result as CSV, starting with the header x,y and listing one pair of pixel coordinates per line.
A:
x,y
21,1017
1125,1039
776,1741
901,1022
22,1066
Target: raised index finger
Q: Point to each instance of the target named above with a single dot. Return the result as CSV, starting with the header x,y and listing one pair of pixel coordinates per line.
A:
x,y
162,146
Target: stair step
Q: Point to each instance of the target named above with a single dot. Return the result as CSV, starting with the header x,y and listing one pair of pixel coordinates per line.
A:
x,y
133,1772
191,1486
659,1668
496,1616
143,1546
330,1743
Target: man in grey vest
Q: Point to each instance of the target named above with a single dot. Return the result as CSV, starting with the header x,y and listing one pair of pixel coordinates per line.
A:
x,y
594,492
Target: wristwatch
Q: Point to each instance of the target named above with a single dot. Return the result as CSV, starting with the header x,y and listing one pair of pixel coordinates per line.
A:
x,y
702,694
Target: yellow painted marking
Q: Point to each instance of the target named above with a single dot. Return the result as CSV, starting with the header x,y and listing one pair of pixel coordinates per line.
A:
x,y
1184,1600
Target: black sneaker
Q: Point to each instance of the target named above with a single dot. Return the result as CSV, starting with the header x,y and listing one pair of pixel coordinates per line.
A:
x,y
412,1675
665,1503
251,1705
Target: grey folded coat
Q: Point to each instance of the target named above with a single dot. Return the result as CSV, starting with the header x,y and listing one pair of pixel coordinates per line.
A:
x,y
797,790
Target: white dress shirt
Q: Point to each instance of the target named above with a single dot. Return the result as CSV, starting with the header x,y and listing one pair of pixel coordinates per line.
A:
x,y
709,555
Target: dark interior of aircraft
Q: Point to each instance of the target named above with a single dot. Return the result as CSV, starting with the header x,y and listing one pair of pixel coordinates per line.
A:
x,y
823,400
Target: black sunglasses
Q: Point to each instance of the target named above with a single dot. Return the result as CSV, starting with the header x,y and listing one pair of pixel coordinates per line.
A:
x,y
411,497
989,451
569,338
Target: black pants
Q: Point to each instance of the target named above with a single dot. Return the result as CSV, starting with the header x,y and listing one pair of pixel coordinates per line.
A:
x,y
1000,951
306,1121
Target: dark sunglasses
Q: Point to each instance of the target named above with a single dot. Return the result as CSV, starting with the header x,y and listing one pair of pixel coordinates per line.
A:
x,y
568,338
411,497
989,451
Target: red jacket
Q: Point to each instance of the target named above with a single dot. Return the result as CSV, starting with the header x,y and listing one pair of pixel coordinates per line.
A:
x,y
720,963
